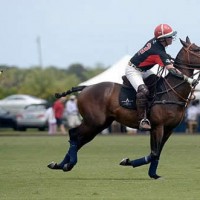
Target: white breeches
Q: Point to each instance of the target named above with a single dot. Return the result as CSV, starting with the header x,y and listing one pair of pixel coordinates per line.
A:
x,y
136,77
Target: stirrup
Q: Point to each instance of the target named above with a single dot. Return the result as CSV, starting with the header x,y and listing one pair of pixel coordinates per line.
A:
x,y
145,125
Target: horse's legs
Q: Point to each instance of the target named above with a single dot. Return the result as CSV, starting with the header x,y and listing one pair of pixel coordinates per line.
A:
x,y
71,155
156,157
79,136
153,158
156,140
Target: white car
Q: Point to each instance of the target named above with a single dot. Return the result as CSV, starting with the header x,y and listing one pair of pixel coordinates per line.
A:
x,y
18,102
32,116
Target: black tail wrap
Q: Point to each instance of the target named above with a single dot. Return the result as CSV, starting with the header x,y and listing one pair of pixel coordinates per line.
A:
x,y
73,89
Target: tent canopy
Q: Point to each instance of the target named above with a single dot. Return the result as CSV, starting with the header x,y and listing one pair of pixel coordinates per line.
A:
x,y
112,74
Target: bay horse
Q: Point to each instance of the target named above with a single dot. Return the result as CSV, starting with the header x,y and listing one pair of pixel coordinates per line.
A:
x,y
99,106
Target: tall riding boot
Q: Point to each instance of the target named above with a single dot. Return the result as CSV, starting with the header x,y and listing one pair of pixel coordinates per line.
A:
x,y
141,102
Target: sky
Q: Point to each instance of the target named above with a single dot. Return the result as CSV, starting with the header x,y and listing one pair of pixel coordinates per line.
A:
x,y
89,32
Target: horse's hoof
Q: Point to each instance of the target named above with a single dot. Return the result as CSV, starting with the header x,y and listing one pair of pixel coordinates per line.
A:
x,y
68,167
155,176
53,165
125,162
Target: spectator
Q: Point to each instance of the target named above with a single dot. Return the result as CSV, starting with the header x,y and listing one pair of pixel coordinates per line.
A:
x,y
52,126
72,112
192,115
58,108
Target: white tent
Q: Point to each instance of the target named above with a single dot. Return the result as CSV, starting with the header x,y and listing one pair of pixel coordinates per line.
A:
x,y
112,74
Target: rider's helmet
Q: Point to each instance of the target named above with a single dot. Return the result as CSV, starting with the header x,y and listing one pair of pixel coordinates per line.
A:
x,y
164,31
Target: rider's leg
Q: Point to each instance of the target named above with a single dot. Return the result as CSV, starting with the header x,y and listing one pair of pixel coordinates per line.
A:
x,y
141,102
136,79
134,76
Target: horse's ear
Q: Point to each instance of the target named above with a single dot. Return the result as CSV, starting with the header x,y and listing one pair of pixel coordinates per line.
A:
x,y
183,43
188,40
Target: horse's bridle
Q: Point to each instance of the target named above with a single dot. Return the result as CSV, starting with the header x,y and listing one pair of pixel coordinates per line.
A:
x,y
191,95
192,66
188,51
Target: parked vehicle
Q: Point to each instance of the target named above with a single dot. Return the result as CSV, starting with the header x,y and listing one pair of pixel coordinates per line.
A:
x,y
7,120
32,116
17,102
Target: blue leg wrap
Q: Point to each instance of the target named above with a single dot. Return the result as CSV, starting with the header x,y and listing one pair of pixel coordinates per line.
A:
x,y
71,156
73,152
65,160
153,168
141,161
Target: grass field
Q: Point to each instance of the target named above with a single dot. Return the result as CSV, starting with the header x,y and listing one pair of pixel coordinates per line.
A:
x,y
24,175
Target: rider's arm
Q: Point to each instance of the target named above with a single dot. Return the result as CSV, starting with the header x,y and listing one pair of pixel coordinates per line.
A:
x,y
174,71
179,74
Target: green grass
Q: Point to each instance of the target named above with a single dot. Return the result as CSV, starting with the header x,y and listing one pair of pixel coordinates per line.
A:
x,y
24,175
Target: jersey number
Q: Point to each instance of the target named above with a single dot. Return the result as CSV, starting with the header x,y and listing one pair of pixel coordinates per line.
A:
x,y
146,48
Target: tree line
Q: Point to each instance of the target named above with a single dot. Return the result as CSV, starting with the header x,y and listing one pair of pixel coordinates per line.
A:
x,y
43,82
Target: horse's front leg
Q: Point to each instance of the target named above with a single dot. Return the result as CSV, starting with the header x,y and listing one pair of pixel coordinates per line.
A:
x,y
156,147
153,158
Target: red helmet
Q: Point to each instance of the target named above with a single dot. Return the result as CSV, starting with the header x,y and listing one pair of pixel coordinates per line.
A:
x,y
164,31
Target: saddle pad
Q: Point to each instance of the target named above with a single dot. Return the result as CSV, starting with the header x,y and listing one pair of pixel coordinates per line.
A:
x,y
127,95
127,98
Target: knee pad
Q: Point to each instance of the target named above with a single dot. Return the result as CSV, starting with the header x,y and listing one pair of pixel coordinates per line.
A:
x,y
143,90
141,96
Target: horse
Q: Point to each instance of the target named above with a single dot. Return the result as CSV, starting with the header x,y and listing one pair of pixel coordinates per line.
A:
x,y
99,106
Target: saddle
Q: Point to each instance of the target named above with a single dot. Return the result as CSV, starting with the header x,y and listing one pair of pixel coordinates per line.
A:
x,y
127,96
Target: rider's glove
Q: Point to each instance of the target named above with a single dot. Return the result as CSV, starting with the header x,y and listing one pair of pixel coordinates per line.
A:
x,y
195,82
192,82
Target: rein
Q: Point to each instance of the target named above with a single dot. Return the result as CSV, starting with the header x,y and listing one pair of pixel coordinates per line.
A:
x,y
172,88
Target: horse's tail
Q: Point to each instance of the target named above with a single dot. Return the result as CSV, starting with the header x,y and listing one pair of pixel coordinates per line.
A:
x,y
73,89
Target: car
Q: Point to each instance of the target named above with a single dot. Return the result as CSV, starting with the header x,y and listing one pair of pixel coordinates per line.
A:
x,y
17,102
7,120
32,116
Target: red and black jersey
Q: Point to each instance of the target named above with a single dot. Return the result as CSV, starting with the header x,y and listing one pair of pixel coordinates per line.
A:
x,y
151,54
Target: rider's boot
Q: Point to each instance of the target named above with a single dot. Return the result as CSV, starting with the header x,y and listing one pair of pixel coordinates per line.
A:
x,y
141,102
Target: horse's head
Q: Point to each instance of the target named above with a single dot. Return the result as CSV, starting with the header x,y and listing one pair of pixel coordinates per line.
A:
x,y
189,56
